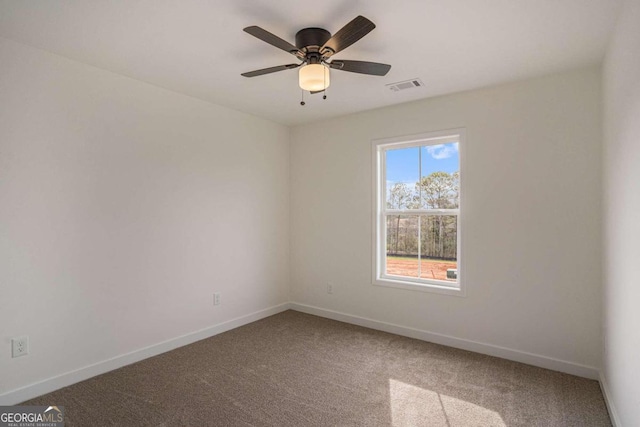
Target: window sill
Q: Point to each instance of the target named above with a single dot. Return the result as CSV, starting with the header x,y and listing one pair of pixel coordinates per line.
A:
x,y
420,287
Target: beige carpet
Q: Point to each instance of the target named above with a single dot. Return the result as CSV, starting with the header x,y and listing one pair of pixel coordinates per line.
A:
x,y
294,369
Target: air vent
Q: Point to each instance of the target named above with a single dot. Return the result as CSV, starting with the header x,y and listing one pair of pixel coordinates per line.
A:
x,y
407,84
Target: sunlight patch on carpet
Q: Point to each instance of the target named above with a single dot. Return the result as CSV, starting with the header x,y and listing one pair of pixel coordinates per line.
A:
x,y
415,406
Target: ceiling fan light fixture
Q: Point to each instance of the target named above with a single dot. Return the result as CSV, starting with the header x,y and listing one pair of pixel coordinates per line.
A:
x,y
314,77
314,50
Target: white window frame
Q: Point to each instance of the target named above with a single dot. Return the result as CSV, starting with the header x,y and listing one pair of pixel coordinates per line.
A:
x,y
380,211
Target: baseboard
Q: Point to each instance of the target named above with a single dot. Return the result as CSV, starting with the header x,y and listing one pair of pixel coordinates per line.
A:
x,y
54,383
609,402
478,347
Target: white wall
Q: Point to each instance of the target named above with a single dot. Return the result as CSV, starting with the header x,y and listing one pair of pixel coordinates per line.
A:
x,y
123,207
621,210
531,216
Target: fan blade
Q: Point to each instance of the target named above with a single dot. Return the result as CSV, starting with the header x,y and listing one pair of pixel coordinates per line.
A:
x,y
273,40
270,70
348,35
363,67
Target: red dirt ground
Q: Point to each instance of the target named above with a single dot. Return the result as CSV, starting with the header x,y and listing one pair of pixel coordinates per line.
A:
x,y
409,267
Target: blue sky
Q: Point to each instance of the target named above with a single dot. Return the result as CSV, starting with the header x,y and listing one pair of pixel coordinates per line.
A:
x,y
402,164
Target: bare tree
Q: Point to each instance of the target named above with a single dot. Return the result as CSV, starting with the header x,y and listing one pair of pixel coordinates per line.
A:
x,y
400,197
439,190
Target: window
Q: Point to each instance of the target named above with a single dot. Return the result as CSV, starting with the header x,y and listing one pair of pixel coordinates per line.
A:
x,y
417,212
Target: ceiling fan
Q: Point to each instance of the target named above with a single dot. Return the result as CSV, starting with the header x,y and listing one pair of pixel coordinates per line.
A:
x,y
314,49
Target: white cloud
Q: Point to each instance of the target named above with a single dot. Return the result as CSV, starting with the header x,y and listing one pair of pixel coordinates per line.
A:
x,y
442,151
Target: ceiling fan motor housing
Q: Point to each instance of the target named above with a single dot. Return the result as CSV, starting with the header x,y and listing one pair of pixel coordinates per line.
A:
x,y
312,38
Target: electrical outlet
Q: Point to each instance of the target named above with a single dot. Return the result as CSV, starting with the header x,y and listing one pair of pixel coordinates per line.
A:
x,y
216,298
20,346
329,287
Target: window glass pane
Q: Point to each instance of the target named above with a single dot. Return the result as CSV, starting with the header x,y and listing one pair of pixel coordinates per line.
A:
x,y
439,183
402,245
439,247
402,174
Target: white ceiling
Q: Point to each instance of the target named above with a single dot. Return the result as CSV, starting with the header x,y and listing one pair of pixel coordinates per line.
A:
x,y
198,48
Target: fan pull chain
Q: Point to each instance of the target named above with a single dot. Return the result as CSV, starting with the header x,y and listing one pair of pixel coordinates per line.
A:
x,y
302,97
324,85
